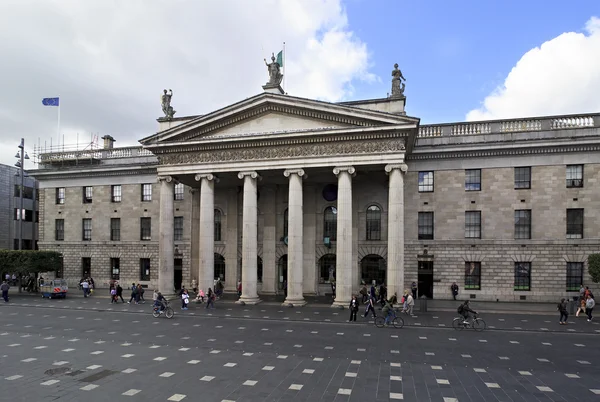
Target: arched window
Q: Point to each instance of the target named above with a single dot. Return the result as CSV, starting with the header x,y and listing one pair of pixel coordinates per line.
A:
x,y
327,268
285,223
373,223
330,223
217,225
219,267
282,271
373,268
259,269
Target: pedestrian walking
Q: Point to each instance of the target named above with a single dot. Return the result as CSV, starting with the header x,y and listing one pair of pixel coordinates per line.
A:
x,y
185,299
119,293
370,307
581,308
589,306
210,299
4,287
133,294
364,293
353,308
564,314
86,288
113,295
413,289
410,303
141,293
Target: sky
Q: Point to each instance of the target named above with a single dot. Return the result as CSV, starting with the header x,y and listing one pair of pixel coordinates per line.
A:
x,y
109,60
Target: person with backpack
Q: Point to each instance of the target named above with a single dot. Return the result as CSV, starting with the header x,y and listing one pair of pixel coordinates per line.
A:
x,y
134,292
562,308
370,307
464,309
589,306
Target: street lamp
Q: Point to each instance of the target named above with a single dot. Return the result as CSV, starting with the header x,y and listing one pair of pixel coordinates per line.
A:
x,y
21,155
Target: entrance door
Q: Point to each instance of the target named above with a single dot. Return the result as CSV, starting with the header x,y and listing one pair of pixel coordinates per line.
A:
x,y
425,279
178,273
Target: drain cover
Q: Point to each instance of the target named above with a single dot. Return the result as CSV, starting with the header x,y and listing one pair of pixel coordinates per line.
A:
x,y
98,376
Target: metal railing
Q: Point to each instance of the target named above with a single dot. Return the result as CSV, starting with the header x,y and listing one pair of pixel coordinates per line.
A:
x,y
113,153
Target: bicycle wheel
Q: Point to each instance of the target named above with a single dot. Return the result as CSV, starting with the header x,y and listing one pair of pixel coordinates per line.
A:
x,y
457,324
379,322
398,322
169,313
478,324
155,313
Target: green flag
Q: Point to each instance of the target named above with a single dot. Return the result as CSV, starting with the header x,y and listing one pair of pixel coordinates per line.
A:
x,y
280,58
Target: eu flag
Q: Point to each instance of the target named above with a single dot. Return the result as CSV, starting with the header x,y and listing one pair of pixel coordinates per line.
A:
x,y
50,101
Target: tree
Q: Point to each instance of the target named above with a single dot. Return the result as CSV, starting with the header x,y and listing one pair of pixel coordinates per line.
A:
x,y
594,267
29,261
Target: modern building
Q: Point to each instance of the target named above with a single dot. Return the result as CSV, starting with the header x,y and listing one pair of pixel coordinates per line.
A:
x,y
280,191
10,202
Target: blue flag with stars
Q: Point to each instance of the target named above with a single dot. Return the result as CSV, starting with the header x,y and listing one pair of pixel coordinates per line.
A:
x,y
50,101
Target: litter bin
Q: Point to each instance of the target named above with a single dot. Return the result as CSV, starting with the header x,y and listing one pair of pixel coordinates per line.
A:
x,y
423,304
572,304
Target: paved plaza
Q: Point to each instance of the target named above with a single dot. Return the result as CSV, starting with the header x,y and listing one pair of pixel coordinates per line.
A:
x,y
89,350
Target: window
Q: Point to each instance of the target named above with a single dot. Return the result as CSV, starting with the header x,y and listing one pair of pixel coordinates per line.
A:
x,y
425,225
219,269
473,224
87,194
115,193
522,177
59,229
147,192
574,276
575,223
145,228
330,223
327,268
27,193
115,229
86,225
115,269
523,224
178,228
473,275
285,223
86,267
473,180
144,269
60,195
178,194
217,225
373,268
574,176
373,223
522,276
425,182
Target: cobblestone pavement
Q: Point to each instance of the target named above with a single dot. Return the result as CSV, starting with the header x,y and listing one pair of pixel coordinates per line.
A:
x,y
79,350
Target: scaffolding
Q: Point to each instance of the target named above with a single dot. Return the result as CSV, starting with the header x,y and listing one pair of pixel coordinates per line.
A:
x,y
67,154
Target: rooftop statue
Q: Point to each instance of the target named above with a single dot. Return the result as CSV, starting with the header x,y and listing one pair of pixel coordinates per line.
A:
x,y
166,104
274,69
397,84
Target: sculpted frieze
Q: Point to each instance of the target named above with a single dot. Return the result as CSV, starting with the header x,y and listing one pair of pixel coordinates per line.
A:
x,y
285,151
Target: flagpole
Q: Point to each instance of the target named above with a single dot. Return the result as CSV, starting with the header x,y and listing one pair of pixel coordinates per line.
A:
x,y
58,122
284,63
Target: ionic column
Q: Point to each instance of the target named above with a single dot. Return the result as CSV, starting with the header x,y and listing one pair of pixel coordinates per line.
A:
x,y
207,230
295,233
249,239
165,237
395,264
269,244
343,262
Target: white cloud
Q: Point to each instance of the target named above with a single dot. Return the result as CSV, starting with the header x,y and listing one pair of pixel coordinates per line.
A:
x,y
109,61
562,76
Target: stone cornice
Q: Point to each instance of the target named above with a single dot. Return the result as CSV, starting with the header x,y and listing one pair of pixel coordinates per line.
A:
x,y
425,155
96,171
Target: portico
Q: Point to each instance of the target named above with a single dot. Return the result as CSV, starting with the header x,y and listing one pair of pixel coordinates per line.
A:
x,y
273,143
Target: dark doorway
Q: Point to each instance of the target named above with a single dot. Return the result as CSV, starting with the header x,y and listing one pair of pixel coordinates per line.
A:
x,y
178,273
282,270
425,279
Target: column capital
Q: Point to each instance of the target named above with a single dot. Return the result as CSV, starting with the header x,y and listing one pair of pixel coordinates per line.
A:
x,y
167,179
402,166
207,176
299,172
254,174
338,169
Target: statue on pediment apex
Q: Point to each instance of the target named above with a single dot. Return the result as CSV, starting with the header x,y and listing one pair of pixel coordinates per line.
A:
x,y
274,69
165,101
397,84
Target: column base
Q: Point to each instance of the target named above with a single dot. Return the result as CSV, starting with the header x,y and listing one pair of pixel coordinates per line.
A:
x,y
248,300
340,304
294,302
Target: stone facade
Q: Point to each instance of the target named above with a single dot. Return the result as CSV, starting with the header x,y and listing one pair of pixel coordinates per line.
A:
x,y
237,164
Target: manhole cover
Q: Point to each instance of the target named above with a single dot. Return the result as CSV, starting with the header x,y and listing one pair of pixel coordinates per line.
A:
x,y
98,376
57,371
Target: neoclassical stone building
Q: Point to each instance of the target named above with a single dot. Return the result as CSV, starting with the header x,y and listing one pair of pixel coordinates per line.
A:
x,y
279,191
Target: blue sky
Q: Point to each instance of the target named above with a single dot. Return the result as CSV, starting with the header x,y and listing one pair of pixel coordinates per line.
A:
x,y
464,48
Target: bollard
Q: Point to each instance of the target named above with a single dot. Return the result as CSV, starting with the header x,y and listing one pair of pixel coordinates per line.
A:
x,y
423,304
572,304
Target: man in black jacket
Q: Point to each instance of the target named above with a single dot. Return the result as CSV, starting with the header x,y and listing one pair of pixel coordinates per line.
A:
x,y
464,310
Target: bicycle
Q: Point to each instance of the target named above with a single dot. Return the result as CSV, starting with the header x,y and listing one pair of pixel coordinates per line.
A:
x,y
474,322
396,321
167,310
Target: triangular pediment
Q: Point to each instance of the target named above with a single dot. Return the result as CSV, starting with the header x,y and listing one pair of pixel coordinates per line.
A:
x,y
270,113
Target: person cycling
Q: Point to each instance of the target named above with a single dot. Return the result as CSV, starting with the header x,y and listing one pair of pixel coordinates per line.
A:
x,y
464,309
388,308
160,302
